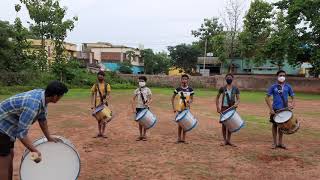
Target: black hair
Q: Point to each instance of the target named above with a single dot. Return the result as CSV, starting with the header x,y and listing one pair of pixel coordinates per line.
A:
x,y
184,75
55,88
101,73
229,74
281,71
143,78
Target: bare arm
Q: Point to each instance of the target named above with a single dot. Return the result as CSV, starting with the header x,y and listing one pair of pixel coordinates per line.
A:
x,y
217,102
172,102
92,100
28,144
108,96
293,102
44,127
268,101
133,102
238,100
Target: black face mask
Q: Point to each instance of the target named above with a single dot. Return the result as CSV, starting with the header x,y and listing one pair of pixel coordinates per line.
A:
x,y
229,81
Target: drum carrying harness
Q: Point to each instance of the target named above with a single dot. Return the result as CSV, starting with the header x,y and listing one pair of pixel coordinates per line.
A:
x,y
230,100
280,91
100,94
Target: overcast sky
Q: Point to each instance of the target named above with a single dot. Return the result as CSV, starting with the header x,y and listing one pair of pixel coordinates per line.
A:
x,y
154,23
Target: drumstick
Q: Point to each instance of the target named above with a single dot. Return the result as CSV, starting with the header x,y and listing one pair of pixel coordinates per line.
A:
x,y
227,109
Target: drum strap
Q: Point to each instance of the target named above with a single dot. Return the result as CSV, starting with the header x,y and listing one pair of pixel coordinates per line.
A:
x,y
183,99
142,97
280,91
229,101
100,94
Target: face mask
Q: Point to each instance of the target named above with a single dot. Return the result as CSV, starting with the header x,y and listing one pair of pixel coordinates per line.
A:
x,y
281,79
229,81
142,84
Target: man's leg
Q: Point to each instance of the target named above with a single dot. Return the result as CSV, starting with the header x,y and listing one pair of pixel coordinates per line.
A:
x,y
144,133
281,145
179,133
140,133
184,136
11,166
103,129
274,135
224,131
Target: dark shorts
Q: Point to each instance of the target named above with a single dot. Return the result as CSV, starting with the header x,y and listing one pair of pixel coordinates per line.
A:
x,y
6,144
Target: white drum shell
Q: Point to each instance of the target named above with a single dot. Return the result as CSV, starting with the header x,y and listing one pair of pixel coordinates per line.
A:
x,y
59,161
146,118
233,123
187,121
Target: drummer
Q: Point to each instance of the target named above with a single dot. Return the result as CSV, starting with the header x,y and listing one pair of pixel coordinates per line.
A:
x,y
142,98
230,99
17,114
100,94
280,92
185,94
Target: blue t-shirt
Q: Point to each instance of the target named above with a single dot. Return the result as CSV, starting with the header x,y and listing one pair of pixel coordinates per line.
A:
x,y
275,91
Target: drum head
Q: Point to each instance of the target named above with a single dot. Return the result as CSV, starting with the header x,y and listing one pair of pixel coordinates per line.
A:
x,y
226,115
59,161
141,114
283,116
181,115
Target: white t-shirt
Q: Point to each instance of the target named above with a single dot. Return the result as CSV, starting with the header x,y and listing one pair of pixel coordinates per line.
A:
x,y
146,92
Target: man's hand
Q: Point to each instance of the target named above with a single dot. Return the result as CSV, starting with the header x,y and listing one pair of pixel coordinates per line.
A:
x,y
272,112
218,110
36,156
53,139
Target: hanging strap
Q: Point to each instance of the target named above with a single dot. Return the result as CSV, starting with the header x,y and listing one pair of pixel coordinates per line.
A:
x,y
142,97
280,91
230,103
183,99
100,94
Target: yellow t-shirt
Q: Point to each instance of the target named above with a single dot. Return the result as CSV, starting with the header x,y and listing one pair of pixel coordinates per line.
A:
x,y
94,90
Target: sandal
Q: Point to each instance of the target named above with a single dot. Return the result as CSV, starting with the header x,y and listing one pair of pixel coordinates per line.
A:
x,y
139,138
274,146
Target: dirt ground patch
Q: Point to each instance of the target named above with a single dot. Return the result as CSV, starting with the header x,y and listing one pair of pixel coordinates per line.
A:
x,y
121,157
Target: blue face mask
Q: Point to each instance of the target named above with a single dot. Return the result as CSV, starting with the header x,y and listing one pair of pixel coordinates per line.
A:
x,y
229,81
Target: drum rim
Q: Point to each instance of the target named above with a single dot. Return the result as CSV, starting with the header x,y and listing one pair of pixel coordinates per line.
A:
x,y
144,113
195,124
26,150
274,118
232,109
186,111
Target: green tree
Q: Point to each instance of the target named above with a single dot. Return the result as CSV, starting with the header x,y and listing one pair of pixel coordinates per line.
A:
x,y
131,55
41,12
125,68
156,63
277,45
184,56
50,23
304,21
256,30
148,59
207,30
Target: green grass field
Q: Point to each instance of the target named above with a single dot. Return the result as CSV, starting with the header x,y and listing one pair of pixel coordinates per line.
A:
x,y
246,96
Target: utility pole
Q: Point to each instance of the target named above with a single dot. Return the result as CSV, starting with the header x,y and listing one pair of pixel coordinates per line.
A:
x,y
205,55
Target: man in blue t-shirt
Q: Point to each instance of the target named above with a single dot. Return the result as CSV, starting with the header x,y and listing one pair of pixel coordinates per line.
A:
x,y
280,91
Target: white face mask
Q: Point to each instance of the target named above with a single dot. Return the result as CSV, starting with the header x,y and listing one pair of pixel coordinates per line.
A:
x,y
281,79
142,84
